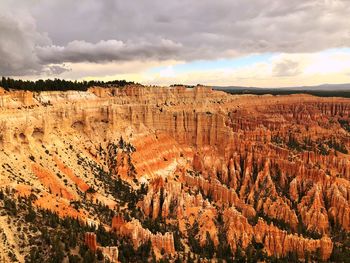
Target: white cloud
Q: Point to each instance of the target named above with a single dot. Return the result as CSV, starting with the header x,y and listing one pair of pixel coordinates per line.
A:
x,y
130,70
168,72
293,70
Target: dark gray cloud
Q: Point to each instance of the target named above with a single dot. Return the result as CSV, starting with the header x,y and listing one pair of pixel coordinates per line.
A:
x,y
117,30
17,44
104,51
19,40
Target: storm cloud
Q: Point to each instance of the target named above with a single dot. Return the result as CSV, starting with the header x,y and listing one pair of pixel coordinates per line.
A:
x,y
18,38
104,51
36,35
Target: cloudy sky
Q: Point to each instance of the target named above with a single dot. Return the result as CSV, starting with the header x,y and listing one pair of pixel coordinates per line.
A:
x,y
265,43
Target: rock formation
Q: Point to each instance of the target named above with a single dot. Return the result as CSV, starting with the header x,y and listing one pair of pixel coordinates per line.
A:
x,y
90,241
111,253
275,167
140,235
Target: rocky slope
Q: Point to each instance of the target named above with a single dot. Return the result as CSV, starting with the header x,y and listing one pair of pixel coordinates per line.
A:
x,y
180,173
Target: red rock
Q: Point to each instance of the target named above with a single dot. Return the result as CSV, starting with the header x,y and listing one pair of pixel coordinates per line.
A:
x,y
90,241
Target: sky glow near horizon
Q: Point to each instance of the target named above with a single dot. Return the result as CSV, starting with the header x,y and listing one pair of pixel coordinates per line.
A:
x,y
240,43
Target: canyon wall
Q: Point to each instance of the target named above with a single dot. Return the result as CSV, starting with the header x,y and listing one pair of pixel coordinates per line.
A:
x,y
275,168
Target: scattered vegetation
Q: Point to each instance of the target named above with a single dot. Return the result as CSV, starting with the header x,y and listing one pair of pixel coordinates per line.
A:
x,y
344,124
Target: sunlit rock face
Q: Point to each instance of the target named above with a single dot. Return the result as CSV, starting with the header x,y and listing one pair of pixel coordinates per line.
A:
x,y
192,169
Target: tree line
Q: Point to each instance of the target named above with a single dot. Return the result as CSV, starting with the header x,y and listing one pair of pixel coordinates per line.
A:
x,y
57,84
